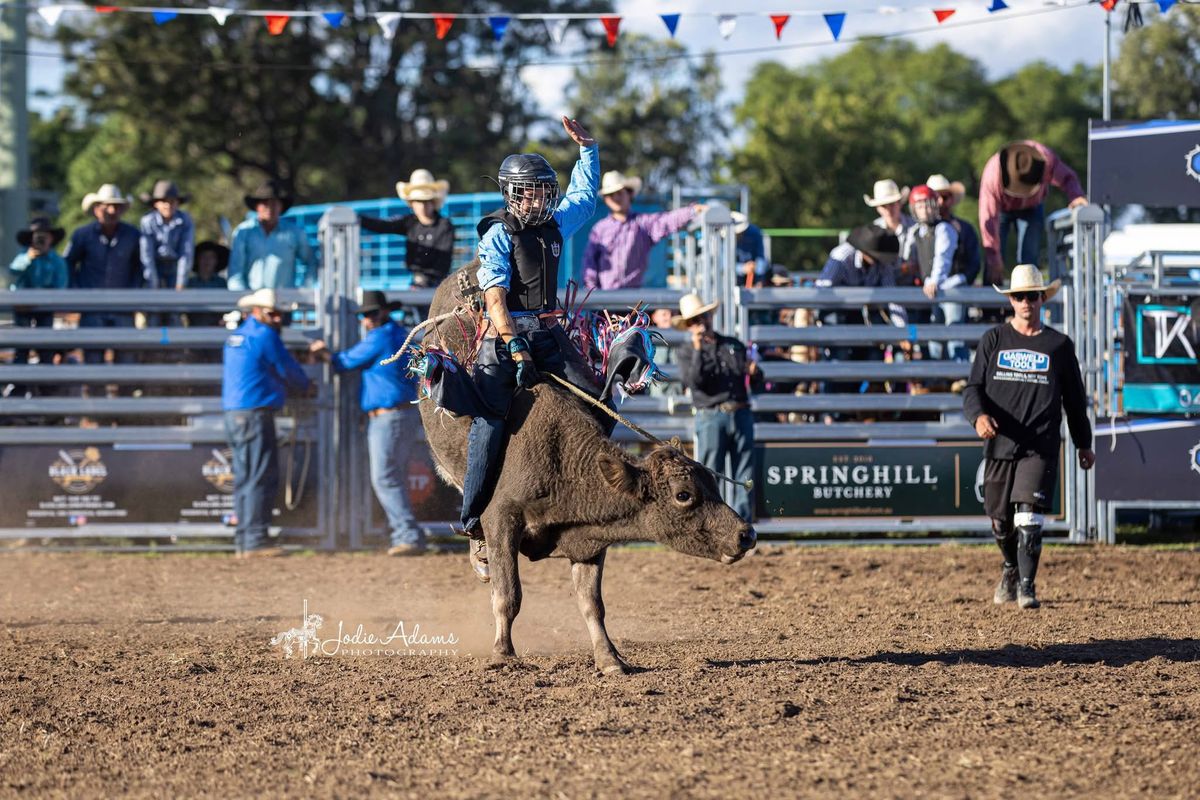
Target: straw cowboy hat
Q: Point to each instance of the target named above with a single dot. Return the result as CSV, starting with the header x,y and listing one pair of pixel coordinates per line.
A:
x,y
886,191
614,181
108,194
1028,278
269,190
940,183
165,190
690,307
263,298
1022,169
422,186
40,225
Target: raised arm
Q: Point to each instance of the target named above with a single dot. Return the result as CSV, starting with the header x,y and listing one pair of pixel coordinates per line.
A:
x,y
579,202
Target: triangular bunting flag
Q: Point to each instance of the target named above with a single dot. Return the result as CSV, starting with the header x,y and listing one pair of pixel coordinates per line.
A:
x,y
1108,5
725,24
997,5
1165,5
105,9
612,26
50,14
557,28
780,20
443,23
276,23
163,17
835,22
389,23
888,10
219,14
671,21
943,14
334,18
499,26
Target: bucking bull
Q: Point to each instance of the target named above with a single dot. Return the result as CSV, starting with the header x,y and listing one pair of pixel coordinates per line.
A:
x,y
565,490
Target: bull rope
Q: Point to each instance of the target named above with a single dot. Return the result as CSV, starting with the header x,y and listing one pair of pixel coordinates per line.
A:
x,y
396,356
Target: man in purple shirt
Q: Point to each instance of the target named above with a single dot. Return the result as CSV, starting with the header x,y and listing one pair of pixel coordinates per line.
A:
x,y
618,247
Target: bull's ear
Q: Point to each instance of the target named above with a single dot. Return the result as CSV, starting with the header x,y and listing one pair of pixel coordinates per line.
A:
x,y
618,473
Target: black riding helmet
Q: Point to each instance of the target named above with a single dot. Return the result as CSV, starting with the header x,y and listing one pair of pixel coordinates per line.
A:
x,y
530,187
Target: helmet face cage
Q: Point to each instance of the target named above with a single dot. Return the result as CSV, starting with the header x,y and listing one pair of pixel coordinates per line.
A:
x,y
924,205
533,202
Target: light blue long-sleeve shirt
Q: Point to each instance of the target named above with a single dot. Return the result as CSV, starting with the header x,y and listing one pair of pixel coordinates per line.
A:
x,y
48,271
282,259
167,246
574,209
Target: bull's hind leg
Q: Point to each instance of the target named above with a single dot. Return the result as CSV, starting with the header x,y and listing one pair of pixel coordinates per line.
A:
x,y
586,577
503,542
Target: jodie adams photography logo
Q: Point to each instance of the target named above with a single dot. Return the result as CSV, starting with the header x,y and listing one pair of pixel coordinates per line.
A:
x,y
313,638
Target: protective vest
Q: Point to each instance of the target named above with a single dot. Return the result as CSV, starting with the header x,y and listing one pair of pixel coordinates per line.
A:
x,y
533,284
926,245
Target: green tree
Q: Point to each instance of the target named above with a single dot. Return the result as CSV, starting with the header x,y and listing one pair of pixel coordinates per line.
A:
x,y
656,113
1157,73
338,113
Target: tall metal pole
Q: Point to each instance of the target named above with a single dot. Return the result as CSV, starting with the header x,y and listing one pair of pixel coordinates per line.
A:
x,y
14,130
1107,90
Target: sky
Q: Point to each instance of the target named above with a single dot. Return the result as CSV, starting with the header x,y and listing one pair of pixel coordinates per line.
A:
x,y
1029,30
1062,35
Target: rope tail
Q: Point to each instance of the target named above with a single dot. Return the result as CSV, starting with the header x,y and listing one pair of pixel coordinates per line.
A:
x,y
748,485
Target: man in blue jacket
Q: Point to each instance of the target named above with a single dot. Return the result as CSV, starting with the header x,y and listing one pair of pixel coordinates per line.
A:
x,y
258,372
386,395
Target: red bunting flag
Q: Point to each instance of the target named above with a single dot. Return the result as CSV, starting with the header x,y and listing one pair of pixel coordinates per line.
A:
x,y
276,23
105,9
943,14
780,20
1108,5
612,26
443,23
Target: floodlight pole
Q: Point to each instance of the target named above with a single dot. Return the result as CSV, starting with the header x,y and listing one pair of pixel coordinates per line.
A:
x,y
1106,90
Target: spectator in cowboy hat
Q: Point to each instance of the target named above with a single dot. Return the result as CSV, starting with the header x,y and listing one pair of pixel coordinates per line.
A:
x,y
168,237
386,396
268,251
105,254
718,371
1012,193
39,267
430,245
257,373
618,246
211,259
888,199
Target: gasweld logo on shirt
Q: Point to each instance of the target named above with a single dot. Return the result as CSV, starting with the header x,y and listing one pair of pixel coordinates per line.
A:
x,y
1023,361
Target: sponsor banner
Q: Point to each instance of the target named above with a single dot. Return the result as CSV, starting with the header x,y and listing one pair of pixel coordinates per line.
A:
x,y
1150,163
857,479
1161,368
1149,460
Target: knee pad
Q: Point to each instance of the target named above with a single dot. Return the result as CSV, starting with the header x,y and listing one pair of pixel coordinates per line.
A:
x,y
1001,529
1029,528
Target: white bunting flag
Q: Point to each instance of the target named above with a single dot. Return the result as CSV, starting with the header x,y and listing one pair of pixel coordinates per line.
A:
x,y
219,14
725,24
557,26
389,22
50,14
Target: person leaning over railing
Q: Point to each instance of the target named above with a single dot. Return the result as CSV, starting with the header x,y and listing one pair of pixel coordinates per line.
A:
x,y
429,235
39,267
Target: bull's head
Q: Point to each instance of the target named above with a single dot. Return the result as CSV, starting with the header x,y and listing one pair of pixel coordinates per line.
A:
x,y
681,505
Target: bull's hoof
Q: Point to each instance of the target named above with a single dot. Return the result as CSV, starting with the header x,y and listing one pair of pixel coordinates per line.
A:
x,y
615,667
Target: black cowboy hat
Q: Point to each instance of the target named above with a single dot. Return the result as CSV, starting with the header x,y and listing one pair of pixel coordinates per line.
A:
x,y
375,301
269,190
873,240
164,190
40,225
221,250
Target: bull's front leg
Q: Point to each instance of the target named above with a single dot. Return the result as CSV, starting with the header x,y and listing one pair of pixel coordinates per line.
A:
x,y
586,577
502,542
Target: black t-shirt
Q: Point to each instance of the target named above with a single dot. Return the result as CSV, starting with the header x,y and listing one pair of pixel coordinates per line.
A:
x,y
1024,383
716,373
430,247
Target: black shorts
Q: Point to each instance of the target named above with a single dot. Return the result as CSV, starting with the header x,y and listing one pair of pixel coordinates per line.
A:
x,y
1030,479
